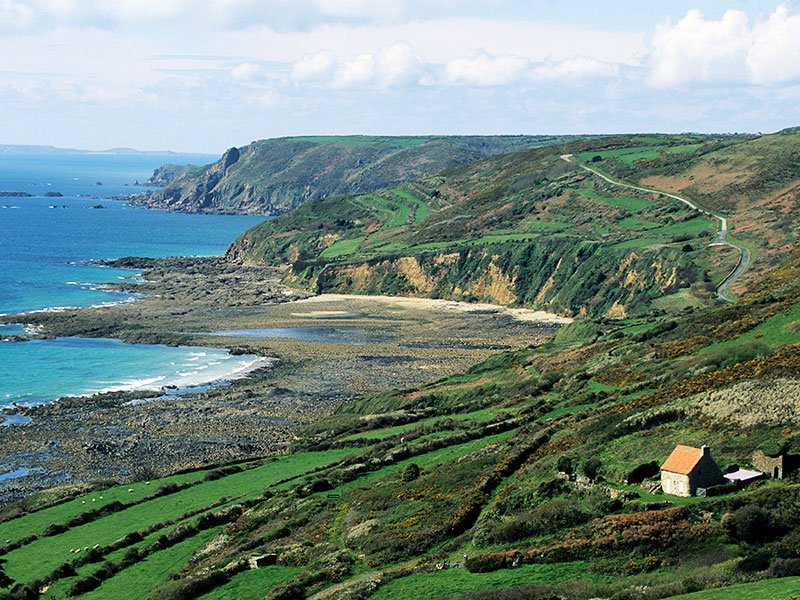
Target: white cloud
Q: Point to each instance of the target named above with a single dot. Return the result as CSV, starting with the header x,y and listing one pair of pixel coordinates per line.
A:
x,y
397,64
484,69
575,69
316,67
372,10
730,50
357,72
246,71
774,55
391,66
15,16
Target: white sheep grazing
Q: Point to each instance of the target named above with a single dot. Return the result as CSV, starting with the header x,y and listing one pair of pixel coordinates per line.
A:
x,y
130,489
95,547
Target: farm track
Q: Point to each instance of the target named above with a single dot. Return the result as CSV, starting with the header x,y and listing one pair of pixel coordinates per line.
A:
x,y
722,235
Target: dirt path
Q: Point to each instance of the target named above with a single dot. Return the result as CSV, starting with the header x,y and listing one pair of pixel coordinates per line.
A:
x,y
720,240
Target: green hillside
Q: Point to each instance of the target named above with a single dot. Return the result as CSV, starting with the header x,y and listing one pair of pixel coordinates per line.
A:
x,y
532,229
272,176
533,473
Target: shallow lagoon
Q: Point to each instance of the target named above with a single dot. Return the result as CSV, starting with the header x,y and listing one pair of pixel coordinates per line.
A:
x,y
339,335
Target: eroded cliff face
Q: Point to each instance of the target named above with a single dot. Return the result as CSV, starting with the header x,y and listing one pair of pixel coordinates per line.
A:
x,y
570,280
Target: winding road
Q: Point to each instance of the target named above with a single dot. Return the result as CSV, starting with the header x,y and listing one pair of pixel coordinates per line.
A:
x,y
720,240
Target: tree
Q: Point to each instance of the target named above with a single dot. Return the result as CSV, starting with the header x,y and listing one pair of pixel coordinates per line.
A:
x,y
564,464
411,472
591,467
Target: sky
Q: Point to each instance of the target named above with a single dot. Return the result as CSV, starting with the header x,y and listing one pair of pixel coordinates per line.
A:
x,y
205,75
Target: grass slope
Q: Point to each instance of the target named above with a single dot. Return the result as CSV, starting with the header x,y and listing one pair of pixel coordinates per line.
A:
x,y
494,230
387,497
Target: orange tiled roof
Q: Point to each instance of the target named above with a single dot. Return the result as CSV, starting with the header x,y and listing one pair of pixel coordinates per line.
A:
x,y
682,460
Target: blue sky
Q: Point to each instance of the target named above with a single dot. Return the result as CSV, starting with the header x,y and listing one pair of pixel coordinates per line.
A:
x,y
204,75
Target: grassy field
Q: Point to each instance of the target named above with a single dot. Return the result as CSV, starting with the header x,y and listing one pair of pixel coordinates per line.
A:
x,y
626,202
420,208
342,248
430,586
43,555
774,589
137,580
252,583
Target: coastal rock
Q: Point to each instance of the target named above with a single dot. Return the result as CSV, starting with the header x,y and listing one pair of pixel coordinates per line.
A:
x,y
270,177
229,158
166,174
14,194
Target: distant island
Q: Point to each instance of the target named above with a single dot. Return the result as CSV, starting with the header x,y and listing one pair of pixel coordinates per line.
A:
x,y
35,149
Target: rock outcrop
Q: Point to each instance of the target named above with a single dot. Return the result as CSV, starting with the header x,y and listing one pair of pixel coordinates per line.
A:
x,y
271,177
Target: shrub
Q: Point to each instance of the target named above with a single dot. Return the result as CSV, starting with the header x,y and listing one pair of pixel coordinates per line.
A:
x,y
106,570
591,467
785,567
63,570
564,464
757,560
772,448
642,472
552,488
166,488
193,587
131,556
411,472
485,563
54,529
287,591
126,540
83,585
181,532
750,524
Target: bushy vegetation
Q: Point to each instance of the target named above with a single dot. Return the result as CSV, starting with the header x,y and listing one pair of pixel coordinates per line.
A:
x,y
525,229
533,475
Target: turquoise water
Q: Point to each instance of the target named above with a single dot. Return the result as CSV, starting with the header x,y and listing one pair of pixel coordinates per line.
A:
x,y
46,246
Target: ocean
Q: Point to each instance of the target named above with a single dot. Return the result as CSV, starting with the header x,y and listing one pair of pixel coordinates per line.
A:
x,y
47,246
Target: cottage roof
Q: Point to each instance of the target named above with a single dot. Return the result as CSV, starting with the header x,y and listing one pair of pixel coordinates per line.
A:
x,y
682,460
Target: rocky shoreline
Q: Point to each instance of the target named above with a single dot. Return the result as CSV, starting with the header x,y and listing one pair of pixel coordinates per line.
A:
x,y
140,435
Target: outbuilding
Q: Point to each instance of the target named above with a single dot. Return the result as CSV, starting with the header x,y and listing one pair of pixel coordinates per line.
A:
x,y
688,469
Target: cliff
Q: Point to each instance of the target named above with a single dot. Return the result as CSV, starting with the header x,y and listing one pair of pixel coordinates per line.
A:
x,y
273,176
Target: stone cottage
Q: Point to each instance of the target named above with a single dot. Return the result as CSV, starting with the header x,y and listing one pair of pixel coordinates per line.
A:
x,y
688,469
